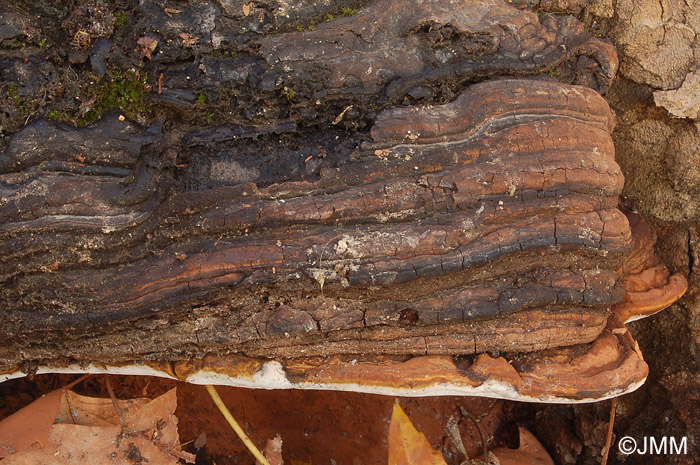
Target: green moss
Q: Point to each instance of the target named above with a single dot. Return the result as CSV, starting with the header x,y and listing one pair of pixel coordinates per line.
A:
x,y
313,24
289,93
201,99
125,91
120,19
13,93
19,101
60,115
42,42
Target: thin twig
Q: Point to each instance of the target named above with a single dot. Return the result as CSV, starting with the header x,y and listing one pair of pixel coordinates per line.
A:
x,y
234,424
611,423
478,428
122,421
73,383
452,432
73,71
73,414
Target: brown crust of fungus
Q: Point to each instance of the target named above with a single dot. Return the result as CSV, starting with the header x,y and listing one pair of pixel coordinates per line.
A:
x,y
496,236
649,285
609,366
343,234
486,224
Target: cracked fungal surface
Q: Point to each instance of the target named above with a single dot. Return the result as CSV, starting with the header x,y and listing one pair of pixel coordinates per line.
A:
x,y
486,224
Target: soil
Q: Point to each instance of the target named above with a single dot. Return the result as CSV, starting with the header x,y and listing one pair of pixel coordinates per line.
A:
x,y
50,68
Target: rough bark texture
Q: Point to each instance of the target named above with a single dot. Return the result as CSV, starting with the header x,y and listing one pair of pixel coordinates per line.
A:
x,y
384,53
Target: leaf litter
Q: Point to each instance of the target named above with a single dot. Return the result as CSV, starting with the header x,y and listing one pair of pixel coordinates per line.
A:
x,y
63,427
408,446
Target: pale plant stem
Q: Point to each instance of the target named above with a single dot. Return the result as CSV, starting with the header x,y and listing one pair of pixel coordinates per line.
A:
x,y
234,424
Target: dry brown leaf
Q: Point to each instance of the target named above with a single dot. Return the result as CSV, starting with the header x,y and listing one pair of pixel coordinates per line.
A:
x,y
273,451
30,425
407,446
75,409
246,9
530,452
91,433
339,118
187,40
147,45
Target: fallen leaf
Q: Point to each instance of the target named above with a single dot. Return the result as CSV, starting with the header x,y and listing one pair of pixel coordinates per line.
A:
x,y
339,118
273,451
147,45
75,409
30,425
148,42
88,430
407,446
530,451
187,40
246,9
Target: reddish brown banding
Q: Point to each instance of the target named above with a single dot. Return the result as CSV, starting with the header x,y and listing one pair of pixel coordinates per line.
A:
x,y
609,366
649,285
497,226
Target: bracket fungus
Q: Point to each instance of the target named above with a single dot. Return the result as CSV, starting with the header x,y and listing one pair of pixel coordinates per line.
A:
x,y
487,225
468,247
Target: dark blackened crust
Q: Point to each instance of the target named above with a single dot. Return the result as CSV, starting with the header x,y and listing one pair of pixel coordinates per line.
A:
x,y
384,54
388,51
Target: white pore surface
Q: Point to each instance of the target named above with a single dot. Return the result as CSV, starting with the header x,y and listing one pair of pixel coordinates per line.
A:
x,y
273,376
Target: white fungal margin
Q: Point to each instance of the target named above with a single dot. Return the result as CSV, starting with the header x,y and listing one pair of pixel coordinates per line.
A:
x,y
272,376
